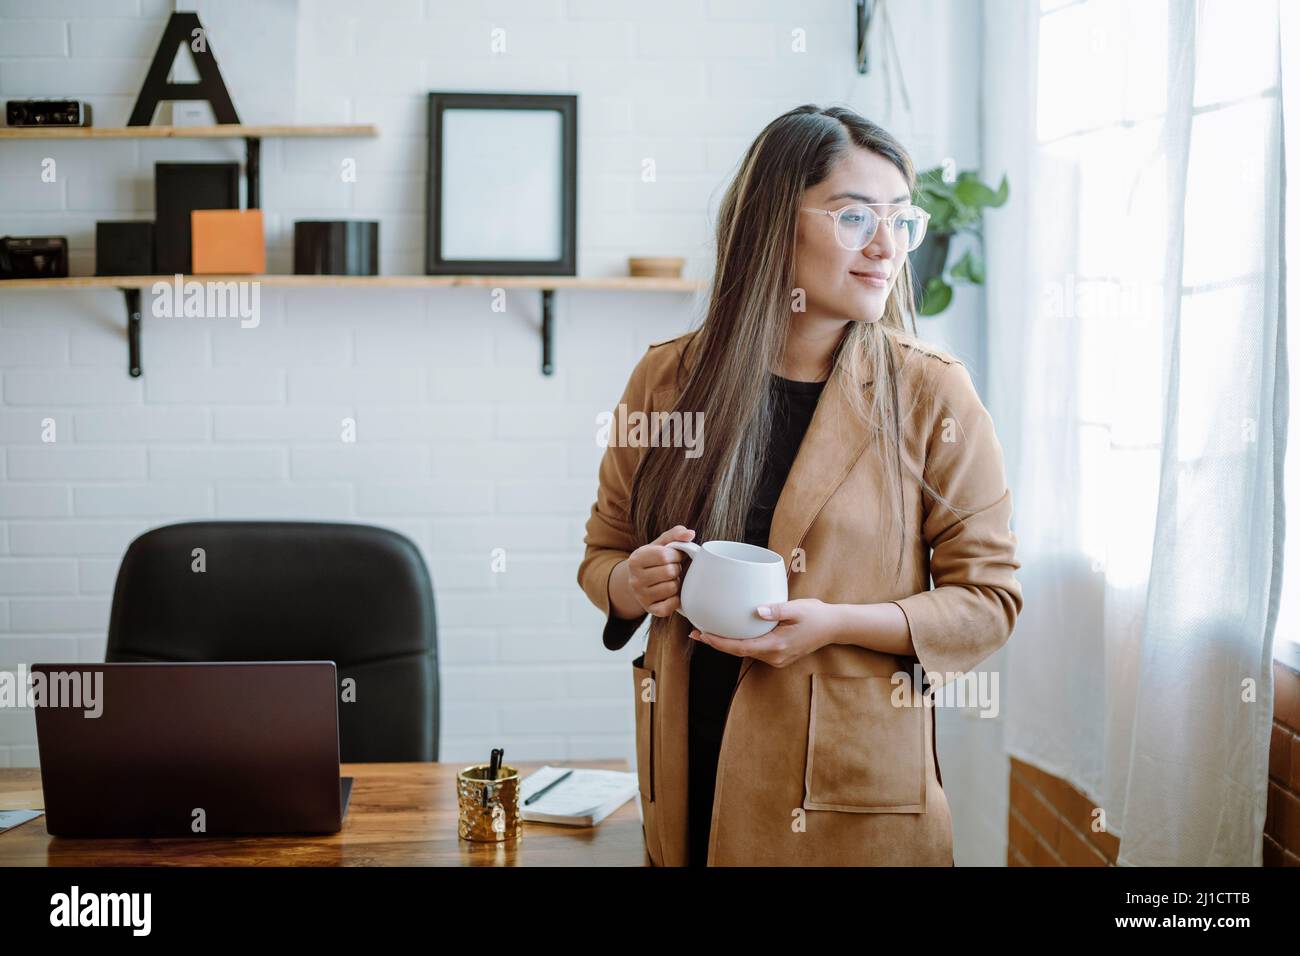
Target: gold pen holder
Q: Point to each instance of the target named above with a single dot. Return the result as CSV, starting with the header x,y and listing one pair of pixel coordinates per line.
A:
x,y
497,822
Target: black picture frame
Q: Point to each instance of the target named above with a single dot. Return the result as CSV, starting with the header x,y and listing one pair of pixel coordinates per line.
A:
x,y
566,105
179,189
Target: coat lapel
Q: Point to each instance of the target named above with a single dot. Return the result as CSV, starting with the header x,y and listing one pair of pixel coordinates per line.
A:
x,y
835,440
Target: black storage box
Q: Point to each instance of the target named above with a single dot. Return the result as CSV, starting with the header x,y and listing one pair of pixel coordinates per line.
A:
x,y
124,249
336,247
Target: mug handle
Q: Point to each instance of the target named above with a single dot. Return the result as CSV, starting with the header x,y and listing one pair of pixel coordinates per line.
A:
x,y
691,550
689,547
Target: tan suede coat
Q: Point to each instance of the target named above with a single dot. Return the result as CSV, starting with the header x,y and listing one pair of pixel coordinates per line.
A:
x,y
818,764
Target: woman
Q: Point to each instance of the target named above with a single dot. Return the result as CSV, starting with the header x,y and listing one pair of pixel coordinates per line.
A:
x,y
866,460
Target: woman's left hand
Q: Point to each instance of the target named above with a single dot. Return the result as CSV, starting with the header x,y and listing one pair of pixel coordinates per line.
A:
x,y
806,625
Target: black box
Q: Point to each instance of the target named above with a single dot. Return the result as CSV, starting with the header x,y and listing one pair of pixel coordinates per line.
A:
x,y
179,189
336,247
124,249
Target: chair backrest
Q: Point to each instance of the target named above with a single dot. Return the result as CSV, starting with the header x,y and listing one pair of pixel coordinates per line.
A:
x,y
294,590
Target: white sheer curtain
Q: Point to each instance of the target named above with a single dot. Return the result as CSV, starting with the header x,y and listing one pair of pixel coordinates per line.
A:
x,y
1288,620
1134,370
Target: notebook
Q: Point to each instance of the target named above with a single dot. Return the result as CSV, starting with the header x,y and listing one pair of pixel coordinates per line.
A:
x,y
12,818
582,800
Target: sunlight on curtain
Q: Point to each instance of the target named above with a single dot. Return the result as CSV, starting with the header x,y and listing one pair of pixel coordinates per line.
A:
x,y
1100,151
1133,298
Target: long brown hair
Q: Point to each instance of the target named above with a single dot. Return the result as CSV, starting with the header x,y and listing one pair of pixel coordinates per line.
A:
x,y
744,333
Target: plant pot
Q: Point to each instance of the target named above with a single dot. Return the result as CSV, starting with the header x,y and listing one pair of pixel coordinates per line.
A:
x,y
927,262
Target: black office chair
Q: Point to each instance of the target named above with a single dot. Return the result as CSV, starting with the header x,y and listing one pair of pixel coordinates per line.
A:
x,y
293,590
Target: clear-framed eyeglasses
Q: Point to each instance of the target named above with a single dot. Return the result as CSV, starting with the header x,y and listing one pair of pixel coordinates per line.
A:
x,y
856,224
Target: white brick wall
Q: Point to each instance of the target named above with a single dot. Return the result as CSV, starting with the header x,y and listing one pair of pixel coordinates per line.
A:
x,y
462,444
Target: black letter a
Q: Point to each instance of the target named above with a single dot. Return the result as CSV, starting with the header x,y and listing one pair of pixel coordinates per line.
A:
x,y
180,28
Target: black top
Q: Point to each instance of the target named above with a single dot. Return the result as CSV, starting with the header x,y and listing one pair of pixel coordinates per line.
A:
x,y
714,672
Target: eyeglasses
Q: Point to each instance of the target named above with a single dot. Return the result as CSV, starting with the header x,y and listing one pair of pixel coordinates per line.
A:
x,y
855,225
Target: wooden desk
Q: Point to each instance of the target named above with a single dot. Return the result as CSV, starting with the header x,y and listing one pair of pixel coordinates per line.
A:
x,y
399,814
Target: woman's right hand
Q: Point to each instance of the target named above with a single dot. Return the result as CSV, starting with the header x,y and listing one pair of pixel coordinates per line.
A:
x,y
654,572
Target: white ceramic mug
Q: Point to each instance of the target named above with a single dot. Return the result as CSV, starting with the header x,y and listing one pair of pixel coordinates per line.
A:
x,y
726,582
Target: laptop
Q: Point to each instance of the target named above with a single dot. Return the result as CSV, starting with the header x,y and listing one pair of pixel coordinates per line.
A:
x,y
167,749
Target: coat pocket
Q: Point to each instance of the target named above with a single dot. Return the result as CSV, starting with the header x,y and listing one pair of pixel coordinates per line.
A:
x,y
644,688
866,750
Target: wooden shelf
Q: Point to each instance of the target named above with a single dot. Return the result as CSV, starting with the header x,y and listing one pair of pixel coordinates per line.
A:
x,y
225,131
133,286
624,283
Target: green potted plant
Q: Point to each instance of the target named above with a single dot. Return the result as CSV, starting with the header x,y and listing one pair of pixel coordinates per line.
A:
x,y
954,207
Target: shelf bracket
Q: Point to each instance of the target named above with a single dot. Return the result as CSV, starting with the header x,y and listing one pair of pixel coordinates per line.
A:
x,y
133,316
133,331
253,170
548,330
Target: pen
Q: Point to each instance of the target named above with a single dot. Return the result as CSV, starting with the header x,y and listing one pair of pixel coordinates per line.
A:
x,y
497,754
547,787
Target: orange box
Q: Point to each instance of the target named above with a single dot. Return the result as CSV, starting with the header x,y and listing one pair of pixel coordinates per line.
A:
x,y
227,242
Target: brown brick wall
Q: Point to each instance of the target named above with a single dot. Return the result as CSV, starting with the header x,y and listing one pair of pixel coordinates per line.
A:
x,y
1282,825
1050,823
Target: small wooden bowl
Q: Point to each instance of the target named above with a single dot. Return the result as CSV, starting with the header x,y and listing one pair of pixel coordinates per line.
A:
x,y
660,267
